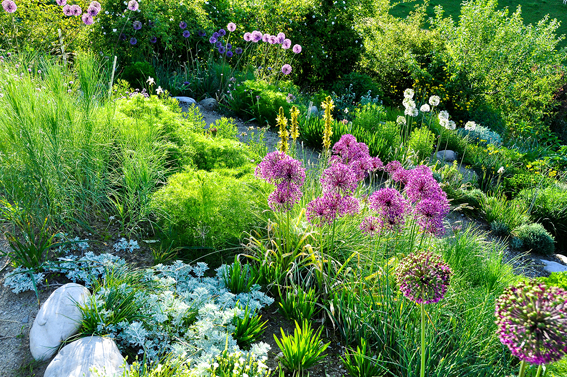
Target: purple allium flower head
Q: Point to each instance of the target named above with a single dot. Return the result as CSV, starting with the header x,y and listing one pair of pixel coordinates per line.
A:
x,y
202,33
238,50
229,54
280,38
231,26
286,44
349,206
9,6
257,36
218,44
153,39
361,167
212,40
377,164
423,277
133,5
216,35
60,2
277,167
67,10
532,322
273,40
284,197
183,25
76,10
228,46
222,32
247,37
390,205
430,214
123,37
133,41
222,50
266,37
296,49
286,69
397,172
339,178
92,11
325,209
186,34
96,4
371,226
87,19
421,185
137,25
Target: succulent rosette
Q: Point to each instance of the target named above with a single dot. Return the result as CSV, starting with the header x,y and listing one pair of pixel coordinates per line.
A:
x,y
532,322
423,277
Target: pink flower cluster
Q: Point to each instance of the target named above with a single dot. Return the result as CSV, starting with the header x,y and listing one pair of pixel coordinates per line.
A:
x,y
75,10
423,277
9,6
257,36
287,175
532,322
354,154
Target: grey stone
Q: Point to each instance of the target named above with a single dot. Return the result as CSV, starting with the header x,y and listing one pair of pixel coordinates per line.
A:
x,y
57,319
26,319
447,156
186,101
209,104
93,356
550,266
313,111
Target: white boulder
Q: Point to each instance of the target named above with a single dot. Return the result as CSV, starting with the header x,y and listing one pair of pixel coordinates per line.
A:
x,y
186,101
553,266
88,357
57,319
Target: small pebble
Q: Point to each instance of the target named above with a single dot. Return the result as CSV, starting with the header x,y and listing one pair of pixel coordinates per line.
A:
x,y
26,319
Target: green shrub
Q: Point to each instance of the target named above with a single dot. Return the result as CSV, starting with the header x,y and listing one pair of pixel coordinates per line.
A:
x,y
518,182
299,305
421,142
481,136
359,83
136,74
533,237
556,279
208,209
503,215
549,208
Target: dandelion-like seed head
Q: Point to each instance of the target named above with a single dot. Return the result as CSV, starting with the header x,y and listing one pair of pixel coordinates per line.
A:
x,y
425,108
401,120
408,93
470,126
434,100
532,321
423,277
443,115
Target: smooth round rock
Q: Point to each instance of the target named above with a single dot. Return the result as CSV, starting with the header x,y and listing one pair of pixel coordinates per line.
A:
x,y
186,101
209,104
313,111
448,156
93,356
57,319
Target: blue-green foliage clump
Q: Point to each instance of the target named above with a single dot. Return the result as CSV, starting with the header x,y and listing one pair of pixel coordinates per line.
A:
x,y
533,237
481,136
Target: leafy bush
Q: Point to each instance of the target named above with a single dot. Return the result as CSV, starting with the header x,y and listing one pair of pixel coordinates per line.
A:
x,y
549,208
136,74
556,279
421,142
359,83
208,209
481,135
518,182
503,215
533,237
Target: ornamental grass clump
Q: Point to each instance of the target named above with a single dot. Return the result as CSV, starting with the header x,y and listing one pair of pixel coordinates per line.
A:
x,y
423,278
532,323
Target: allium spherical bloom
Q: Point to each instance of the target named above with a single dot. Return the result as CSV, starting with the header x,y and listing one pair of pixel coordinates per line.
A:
x,y
67,10
137,25
444,123
532,322
222,32
284,197
286,69
212,40
229,54
397,172
266,37
434,100
425,108
216,35
222,50
390,205
349,206
228,46
408,93
183,25
286,44
325,209
256,36
361,167
95,4
452,125
92,10
408,103
247,37
153,39
423,277
377,164
60,2
87,19
371,226
339,178
238,50
133,41
202,33
277,167
76,10
411,111
231,26
9,6
470,126
422,185
401,120
186,34
296,49
133,5
430,214
443,115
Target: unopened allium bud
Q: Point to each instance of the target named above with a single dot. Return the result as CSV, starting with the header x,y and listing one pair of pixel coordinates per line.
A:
x,y
532,322
423,277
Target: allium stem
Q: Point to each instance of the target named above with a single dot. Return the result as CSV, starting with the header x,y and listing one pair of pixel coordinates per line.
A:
x,y
522,368
539,370
422,340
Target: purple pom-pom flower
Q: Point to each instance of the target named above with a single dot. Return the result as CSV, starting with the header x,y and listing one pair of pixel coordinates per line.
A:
x,y
296,49
339,178
286,69
222,50
153,39
212,40
186,34
9,6
76,10
238,51
133,5
222,32
67,10
286,44
229,54
133,41
92,11
95,4
231,26
60,2
183,25
137,25
87,19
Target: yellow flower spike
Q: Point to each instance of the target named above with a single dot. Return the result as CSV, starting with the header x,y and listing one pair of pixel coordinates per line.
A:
x,y
294,123
328,105
284,135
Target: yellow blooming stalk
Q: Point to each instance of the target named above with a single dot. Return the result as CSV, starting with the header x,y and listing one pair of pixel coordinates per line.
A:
x,y
294,123
328,105
284,135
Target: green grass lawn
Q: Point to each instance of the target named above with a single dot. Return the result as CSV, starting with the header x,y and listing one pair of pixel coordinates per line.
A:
x,y
532,11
